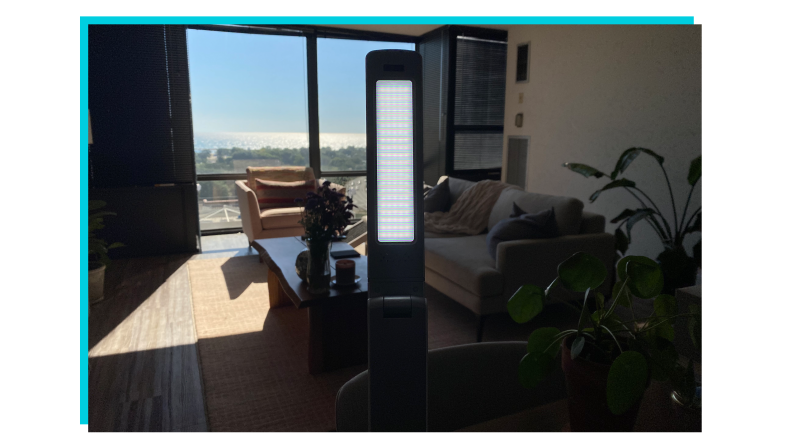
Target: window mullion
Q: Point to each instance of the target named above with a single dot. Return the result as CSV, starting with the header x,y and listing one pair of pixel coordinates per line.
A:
x,y
313,104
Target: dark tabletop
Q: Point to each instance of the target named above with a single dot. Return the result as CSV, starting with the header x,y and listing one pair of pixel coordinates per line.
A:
x,y
280,255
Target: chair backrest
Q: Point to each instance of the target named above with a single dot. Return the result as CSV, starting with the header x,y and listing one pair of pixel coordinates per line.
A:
x,y
285,174
468,384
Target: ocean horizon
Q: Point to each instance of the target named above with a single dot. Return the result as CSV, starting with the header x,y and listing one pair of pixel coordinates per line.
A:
x,y
284,140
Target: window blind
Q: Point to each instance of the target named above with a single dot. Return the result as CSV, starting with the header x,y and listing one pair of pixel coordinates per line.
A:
x,y
139,97
479,103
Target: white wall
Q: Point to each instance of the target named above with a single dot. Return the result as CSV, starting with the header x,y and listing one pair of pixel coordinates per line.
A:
x,y
595,91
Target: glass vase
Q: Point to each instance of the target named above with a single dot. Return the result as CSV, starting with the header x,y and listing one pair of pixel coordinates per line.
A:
x,y
318,271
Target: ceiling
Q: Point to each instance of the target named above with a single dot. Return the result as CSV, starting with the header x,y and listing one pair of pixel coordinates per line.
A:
x,y
409,30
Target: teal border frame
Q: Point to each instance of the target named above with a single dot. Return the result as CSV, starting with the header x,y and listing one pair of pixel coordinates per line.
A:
x,y
291,20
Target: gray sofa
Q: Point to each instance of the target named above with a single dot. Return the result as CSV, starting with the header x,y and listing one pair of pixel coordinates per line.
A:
x,y
461,268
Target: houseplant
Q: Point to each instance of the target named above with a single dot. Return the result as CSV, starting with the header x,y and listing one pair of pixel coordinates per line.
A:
x,y
678,267
97,250
608,362
325,214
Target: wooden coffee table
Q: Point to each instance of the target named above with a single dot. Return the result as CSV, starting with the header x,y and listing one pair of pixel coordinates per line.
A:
x,y
337,323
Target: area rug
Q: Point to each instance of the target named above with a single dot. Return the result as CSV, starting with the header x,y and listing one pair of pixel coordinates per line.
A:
x,y
254,360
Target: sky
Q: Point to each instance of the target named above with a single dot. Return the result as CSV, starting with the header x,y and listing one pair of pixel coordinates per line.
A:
x,y
257,83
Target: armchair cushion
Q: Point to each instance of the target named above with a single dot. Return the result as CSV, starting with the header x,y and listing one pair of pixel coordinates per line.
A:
x,y
280,218
276,194
283,174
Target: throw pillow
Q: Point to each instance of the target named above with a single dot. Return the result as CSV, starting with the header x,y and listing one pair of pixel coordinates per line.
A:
x,y
525,226
438,199
277,194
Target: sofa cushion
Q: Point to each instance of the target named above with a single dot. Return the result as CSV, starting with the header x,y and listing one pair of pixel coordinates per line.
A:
x,y
438,199
276,194
281,218
464,261
568,211
524,226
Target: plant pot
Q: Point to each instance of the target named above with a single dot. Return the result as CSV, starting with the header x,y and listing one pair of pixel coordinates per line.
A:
x,y
588,408
96,284
679,269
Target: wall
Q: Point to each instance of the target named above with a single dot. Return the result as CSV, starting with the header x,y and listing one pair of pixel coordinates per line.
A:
x,y
595,91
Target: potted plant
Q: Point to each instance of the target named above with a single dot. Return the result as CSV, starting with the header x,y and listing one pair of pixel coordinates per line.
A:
x,y
97,250
325,215
678,267
608,362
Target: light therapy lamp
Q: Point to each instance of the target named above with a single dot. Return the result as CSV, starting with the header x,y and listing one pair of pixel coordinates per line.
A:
x,y
397,323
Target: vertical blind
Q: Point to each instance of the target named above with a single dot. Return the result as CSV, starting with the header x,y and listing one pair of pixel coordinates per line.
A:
x,y
139,98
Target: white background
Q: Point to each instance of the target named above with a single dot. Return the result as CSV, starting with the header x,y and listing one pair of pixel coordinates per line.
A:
x,y
746,146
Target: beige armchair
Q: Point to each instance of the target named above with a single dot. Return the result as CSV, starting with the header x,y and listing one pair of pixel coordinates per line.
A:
x,y
270,223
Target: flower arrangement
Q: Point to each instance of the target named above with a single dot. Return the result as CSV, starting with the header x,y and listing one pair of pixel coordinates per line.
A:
x,y
326,213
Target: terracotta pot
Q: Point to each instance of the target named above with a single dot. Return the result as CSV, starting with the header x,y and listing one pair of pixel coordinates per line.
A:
x,y
588,408
96,284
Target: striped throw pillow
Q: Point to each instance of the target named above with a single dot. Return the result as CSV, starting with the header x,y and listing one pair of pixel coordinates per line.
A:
x,y
277,194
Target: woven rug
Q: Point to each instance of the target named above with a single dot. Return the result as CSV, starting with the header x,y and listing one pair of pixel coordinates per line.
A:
x,y
254,360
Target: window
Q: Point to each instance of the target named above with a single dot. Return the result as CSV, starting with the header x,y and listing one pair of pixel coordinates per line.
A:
x,y
248,100
342,101
479,104
249,106
278,96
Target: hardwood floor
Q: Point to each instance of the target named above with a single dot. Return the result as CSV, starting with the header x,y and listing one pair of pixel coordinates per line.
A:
x,y
144,372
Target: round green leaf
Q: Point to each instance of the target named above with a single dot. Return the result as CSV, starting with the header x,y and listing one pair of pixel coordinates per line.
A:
x,y
665,305
541,338
581,272
526,303
621,266
534,368
644,281
626,381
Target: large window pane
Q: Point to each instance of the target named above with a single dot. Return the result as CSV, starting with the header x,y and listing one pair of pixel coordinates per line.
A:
x,y
248,100
342,101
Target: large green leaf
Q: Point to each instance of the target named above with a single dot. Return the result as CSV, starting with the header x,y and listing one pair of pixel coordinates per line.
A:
x,y
534,368
541,338
694,325
581,272
621,265
622,242
694,174
696,226
628,156
526,303
626,381
622,182
577,347
95,204
584,170
639,215
624,214
644,281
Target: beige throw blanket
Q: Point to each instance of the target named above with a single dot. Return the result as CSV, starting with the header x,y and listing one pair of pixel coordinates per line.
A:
x,y
470,214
